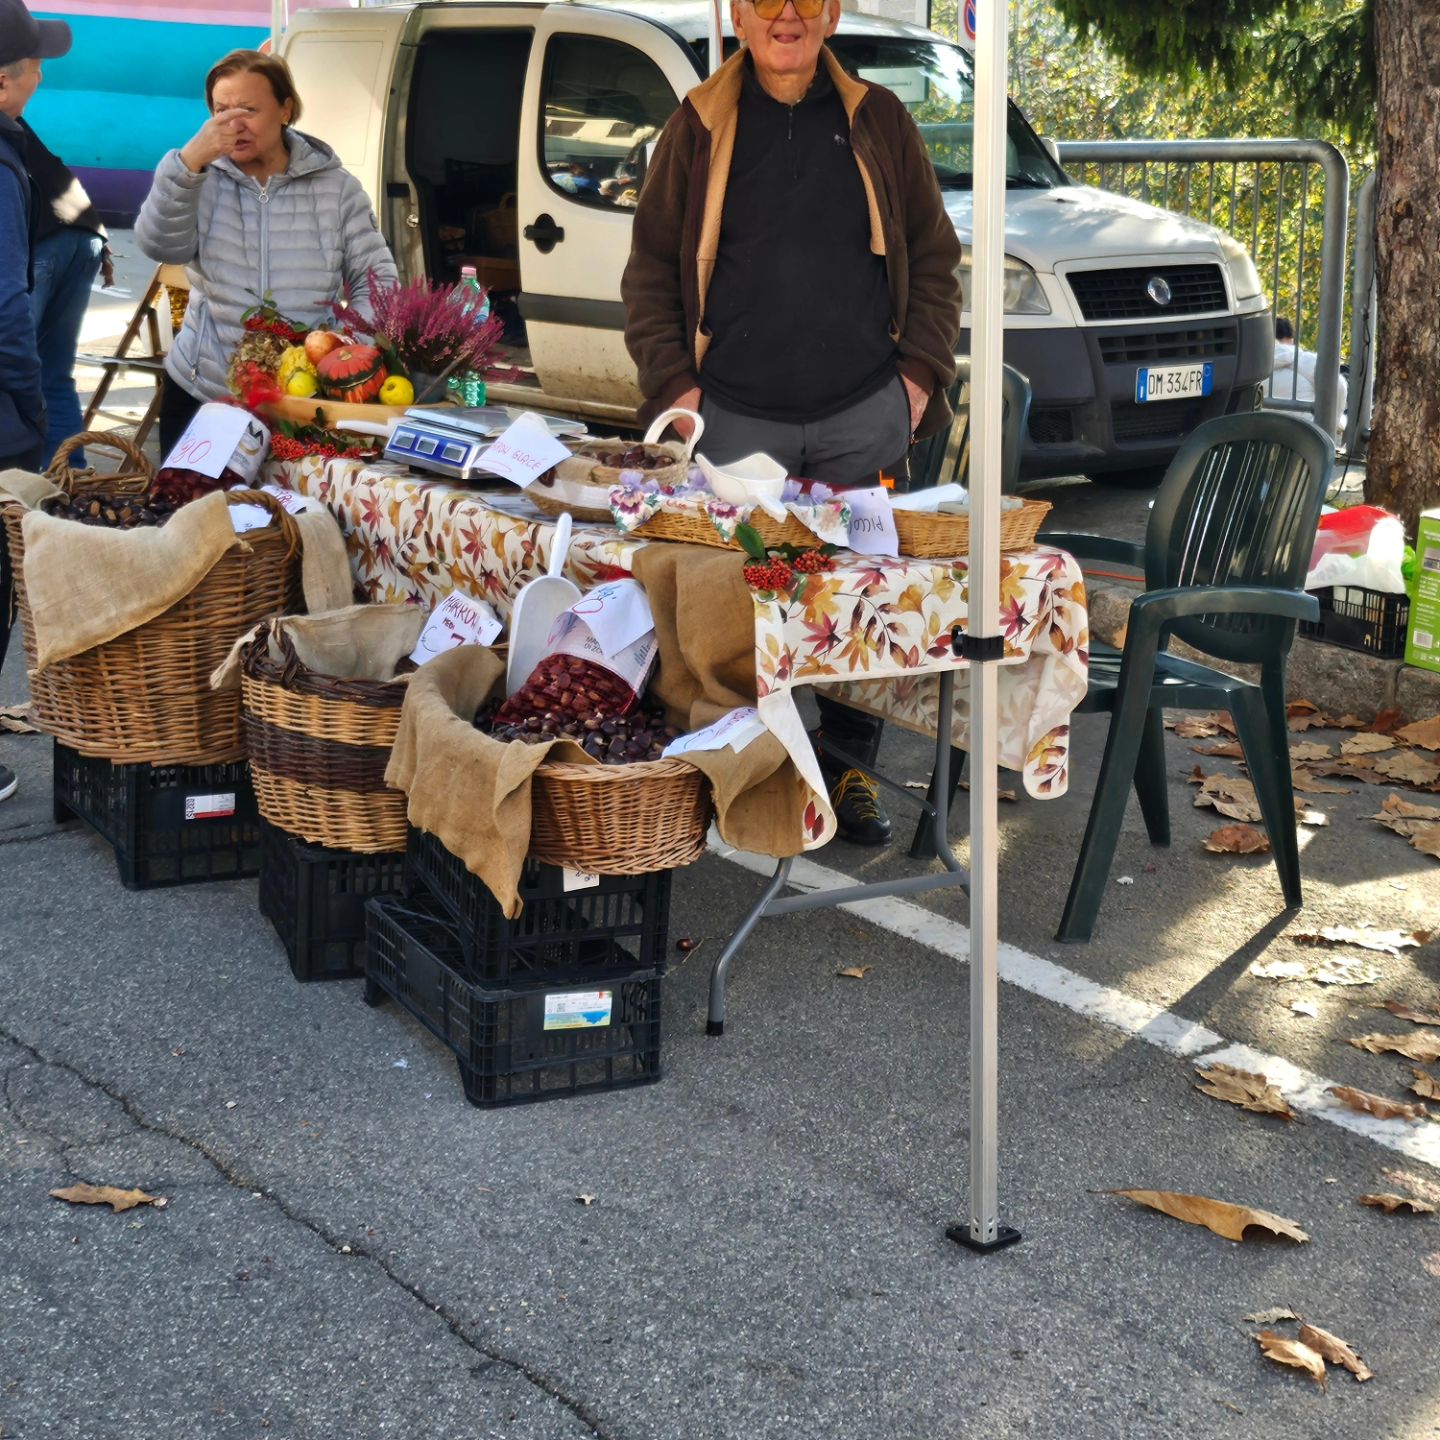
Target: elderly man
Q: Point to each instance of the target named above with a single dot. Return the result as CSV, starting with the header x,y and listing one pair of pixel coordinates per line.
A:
x,y
793,278
24,43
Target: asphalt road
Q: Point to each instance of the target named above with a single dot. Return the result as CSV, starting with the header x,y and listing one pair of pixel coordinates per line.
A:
x,y
350,1250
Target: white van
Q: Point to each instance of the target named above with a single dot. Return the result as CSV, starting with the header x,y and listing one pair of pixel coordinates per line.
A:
x,y
514,137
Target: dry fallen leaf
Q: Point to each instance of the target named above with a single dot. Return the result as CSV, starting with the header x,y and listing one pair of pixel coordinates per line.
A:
x,y
855,972
1226,749
1386,721
1417,1046
1310,750
1280,969
1271,1317
1310,785
1404,1012
1292,1352
1425,1085
1350,722
1424,733
1232,796
1427,841
1376,1105
1366,743
585,1199
1237,840
1404,817
1331,970
15,720
110,1195
1302,715
1388,942
1391,1203
1408,768
1243,1088
1306,816
1355,767
1335,1350
1202,727
1226,1220
1305,1007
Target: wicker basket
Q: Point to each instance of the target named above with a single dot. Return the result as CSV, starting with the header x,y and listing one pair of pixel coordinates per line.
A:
x,y
674,473
319,745
145,696
619,819
581,514
928,535
694,527
133,476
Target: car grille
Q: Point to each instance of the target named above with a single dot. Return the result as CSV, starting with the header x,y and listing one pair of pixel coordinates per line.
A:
x,y
1120,294
1144,347
1052,427
1165,420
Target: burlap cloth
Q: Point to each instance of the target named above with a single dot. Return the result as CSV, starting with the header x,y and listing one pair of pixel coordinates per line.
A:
x,y
359,642
87,584
474,793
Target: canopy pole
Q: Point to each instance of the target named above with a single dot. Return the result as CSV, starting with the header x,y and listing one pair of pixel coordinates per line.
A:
x,y
981,642
717,45
278,18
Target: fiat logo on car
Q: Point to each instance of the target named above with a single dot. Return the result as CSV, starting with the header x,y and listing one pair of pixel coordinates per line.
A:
x,y
1158,289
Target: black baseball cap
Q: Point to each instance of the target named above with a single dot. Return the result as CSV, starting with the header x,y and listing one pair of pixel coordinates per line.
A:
x,y
23,37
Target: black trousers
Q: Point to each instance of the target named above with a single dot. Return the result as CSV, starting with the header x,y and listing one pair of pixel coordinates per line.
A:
x,y
28,460
177,410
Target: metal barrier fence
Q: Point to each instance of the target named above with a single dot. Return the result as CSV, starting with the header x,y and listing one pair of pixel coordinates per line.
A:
x,y
1273,196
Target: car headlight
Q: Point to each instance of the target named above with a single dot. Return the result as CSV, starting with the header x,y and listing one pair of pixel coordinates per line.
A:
x,y
1244,278
1021,286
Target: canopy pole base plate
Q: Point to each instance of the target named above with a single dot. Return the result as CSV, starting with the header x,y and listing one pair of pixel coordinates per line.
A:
x,y
1004,1237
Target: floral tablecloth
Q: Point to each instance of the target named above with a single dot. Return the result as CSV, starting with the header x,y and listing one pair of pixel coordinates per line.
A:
x,y
877,631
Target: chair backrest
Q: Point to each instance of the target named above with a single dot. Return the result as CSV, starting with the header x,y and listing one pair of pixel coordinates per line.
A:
x,y
1239,505
944,459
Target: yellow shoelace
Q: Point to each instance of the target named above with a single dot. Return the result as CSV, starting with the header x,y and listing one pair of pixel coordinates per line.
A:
x,y
861,790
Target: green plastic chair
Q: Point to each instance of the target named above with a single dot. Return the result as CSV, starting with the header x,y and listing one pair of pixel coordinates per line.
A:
x,y
944,458
1224,557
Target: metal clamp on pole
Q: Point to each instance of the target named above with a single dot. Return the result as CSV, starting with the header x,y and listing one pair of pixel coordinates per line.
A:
x,y
977,649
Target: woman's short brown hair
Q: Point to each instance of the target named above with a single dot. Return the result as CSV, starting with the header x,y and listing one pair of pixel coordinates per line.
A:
x,y
272,67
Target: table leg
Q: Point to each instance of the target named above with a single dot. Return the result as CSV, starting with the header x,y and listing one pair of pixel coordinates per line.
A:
x,y
715,1025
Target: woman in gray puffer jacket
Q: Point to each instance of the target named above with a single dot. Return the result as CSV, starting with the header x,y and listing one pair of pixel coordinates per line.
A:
x,y
252,207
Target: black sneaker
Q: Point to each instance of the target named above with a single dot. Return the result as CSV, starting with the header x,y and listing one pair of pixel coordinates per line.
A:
x,y
8,783
858,811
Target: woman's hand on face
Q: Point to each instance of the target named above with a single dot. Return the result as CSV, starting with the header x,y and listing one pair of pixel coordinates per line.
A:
x,y
919,398
216,137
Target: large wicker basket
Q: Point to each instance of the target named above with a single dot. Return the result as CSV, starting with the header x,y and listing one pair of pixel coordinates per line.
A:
x,y
145,696
692,526
319,745
619,819
929,535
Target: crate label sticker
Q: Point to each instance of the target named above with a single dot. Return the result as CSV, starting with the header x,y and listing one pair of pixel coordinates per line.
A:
x,y
580,880
578,1010
209,807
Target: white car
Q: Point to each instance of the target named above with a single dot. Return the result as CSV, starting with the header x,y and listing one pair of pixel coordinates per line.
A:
x,y
514,137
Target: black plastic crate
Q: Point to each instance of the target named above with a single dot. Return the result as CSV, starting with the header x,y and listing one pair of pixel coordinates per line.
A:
x,y
315,898
1372,621
512,1046
560,934
169,824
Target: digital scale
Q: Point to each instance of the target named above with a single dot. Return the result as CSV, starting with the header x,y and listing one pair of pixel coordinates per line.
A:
x,y
449,439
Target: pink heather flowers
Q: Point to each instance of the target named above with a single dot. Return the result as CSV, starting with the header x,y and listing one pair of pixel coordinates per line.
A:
x,y
426,325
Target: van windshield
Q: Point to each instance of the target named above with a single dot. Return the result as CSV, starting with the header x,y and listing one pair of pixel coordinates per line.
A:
x,y
935,82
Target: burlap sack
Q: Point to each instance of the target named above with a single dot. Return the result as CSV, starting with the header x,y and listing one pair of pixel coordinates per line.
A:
x,y
324,563
26,489
358,642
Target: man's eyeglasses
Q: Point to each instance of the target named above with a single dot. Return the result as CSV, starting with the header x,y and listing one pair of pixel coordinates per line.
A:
x,y
772,9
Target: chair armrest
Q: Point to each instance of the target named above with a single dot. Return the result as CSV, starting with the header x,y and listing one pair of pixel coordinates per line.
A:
x,y
1160,607
1095,547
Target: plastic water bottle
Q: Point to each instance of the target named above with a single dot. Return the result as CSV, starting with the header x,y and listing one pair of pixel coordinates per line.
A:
x,y
468,387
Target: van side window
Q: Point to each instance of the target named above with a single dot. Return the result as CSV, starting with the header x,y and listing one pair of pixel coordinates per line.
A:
x,y
604,107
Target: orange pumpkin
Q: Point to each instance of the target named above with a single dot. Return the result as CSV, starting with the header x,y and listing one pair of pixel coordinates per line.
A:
x,y
353,373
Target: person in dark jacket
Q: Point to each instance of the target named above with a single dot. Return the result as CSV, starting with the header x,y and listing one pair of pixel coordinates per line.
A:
x,y
71,247
24,43
792,278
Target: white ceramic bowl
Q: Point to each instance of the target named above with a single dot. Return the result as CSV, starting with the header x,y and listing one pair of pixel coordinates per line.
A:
x,y
748,481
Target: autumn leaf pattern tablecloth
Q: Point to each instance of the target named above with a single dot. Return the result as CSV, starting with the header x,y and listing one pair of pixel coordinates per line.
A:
x,y
875,631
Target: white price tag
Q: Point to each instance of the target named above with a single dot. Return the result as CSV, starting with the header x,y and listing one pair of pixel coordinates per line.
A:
x,y
295,503
872,522
221,435
245,518
578,879
523,452
737,730
456,620
617,614
579,1010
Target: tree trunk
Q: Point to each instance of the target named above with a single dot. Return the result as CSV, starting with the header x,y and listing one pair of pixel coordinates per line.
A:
x,y
1403,470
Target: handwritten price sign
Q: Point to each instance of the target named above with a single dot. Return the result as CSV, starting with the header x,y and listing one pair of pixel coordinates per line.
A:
x,y
523,452
456,620
218,436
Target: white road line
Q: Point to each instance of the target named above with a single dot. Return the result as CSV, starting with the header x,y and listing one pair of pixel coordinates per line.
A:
x,y
1103,1003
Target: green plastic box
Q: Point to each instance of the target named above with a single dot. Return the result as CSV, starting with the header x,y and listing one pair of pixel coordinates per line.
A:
x,y
1422,642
